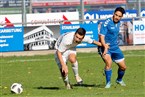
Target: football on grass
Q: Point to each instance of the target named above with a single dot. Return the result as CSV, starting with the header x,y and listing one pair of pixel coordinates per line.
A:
x,y
16,88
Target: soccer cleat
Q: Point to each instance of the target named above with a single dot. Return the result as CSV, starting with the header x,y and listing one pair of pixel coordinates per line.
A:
x,y
68,86
79,80
108,85
67,83
121,82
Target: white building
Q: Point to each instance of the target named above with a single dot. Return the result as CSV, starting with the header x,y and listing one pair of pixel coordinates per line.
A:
x,y
40,38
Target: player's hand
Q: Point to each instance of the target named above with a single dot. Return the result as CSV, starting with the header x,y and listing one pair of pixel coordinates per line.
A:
x,y
106,49
107,46
64,70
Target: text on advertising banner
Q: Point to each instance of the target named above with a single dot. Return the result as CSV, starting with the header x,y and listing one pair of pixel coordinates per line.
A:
x,y
91,31
107,14
11,39
138,32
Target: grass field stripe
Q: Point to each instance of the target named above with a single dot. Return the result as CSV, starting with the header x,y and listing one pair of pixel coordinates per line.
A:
x,y
39,60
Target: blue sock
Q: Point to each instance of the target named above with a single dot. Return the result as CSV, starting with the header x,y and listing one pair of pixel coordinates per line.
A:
x,y
108,74
120,74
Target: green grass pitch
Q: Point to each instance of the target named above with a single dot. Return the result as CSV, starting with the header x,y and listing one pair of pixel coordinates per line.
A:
x,y
40,76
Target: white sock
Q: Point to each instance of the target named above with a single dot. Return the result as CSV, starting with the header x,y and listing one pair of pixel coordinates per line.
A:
x,y
66,80
75,68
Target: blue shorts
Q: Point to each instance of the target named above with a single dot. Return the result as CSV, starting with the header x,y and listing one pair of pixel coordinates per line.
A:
x,y
116,54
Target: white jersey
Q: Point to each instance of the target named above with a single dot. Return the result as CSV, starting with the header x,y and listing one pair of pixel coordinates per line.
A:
x,y
65,42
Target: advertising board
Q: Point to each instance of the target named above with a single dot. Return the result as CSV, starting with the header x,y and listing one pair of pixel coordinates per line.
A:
x,y
91,31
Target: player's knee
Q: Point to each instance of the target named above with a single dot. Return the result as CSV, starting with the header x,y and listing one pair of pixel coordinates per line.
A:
x,y
72,60
123,68
108,64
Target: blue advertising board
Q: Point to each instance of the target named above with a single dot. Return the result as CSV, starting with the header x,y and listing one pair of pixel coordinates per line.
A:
x,y
91,31
143,12
102,15
11,39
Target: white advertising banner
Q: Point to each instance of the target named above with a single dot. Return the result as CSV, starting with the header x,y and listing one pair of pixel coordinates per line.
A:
x,y
138,32
51,18
10,20
39,19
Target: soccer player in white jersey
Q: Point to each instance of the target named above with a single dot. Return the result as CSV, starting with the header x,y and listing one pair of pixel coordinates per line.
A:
x,y
108,35
66,51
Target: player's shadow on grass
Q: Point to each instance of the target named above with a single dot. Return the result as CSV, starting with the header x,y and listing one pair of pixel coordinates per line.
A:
x,y
87,85
84,85
48,88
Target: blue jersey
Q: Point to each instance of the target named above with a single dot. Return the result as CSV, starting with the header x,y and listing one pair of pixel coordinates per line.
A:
x,y
110,30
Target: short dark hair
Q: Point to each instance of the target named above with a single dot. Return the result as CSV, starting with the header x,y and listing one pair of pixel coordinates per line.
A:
x,y
81,31
120,9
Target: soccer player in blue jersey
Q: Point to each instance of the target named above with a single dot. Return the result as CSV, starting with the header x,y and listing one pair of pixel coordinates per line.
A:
x,y
108,35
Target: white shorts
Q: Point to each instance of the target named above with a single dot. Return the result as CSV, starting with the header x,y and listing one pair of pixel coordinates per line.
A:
x,y
64,56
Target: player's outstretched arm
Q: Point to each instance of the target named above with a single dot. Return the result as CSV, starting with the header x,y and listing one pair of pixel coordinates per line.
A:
x,y
97,43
